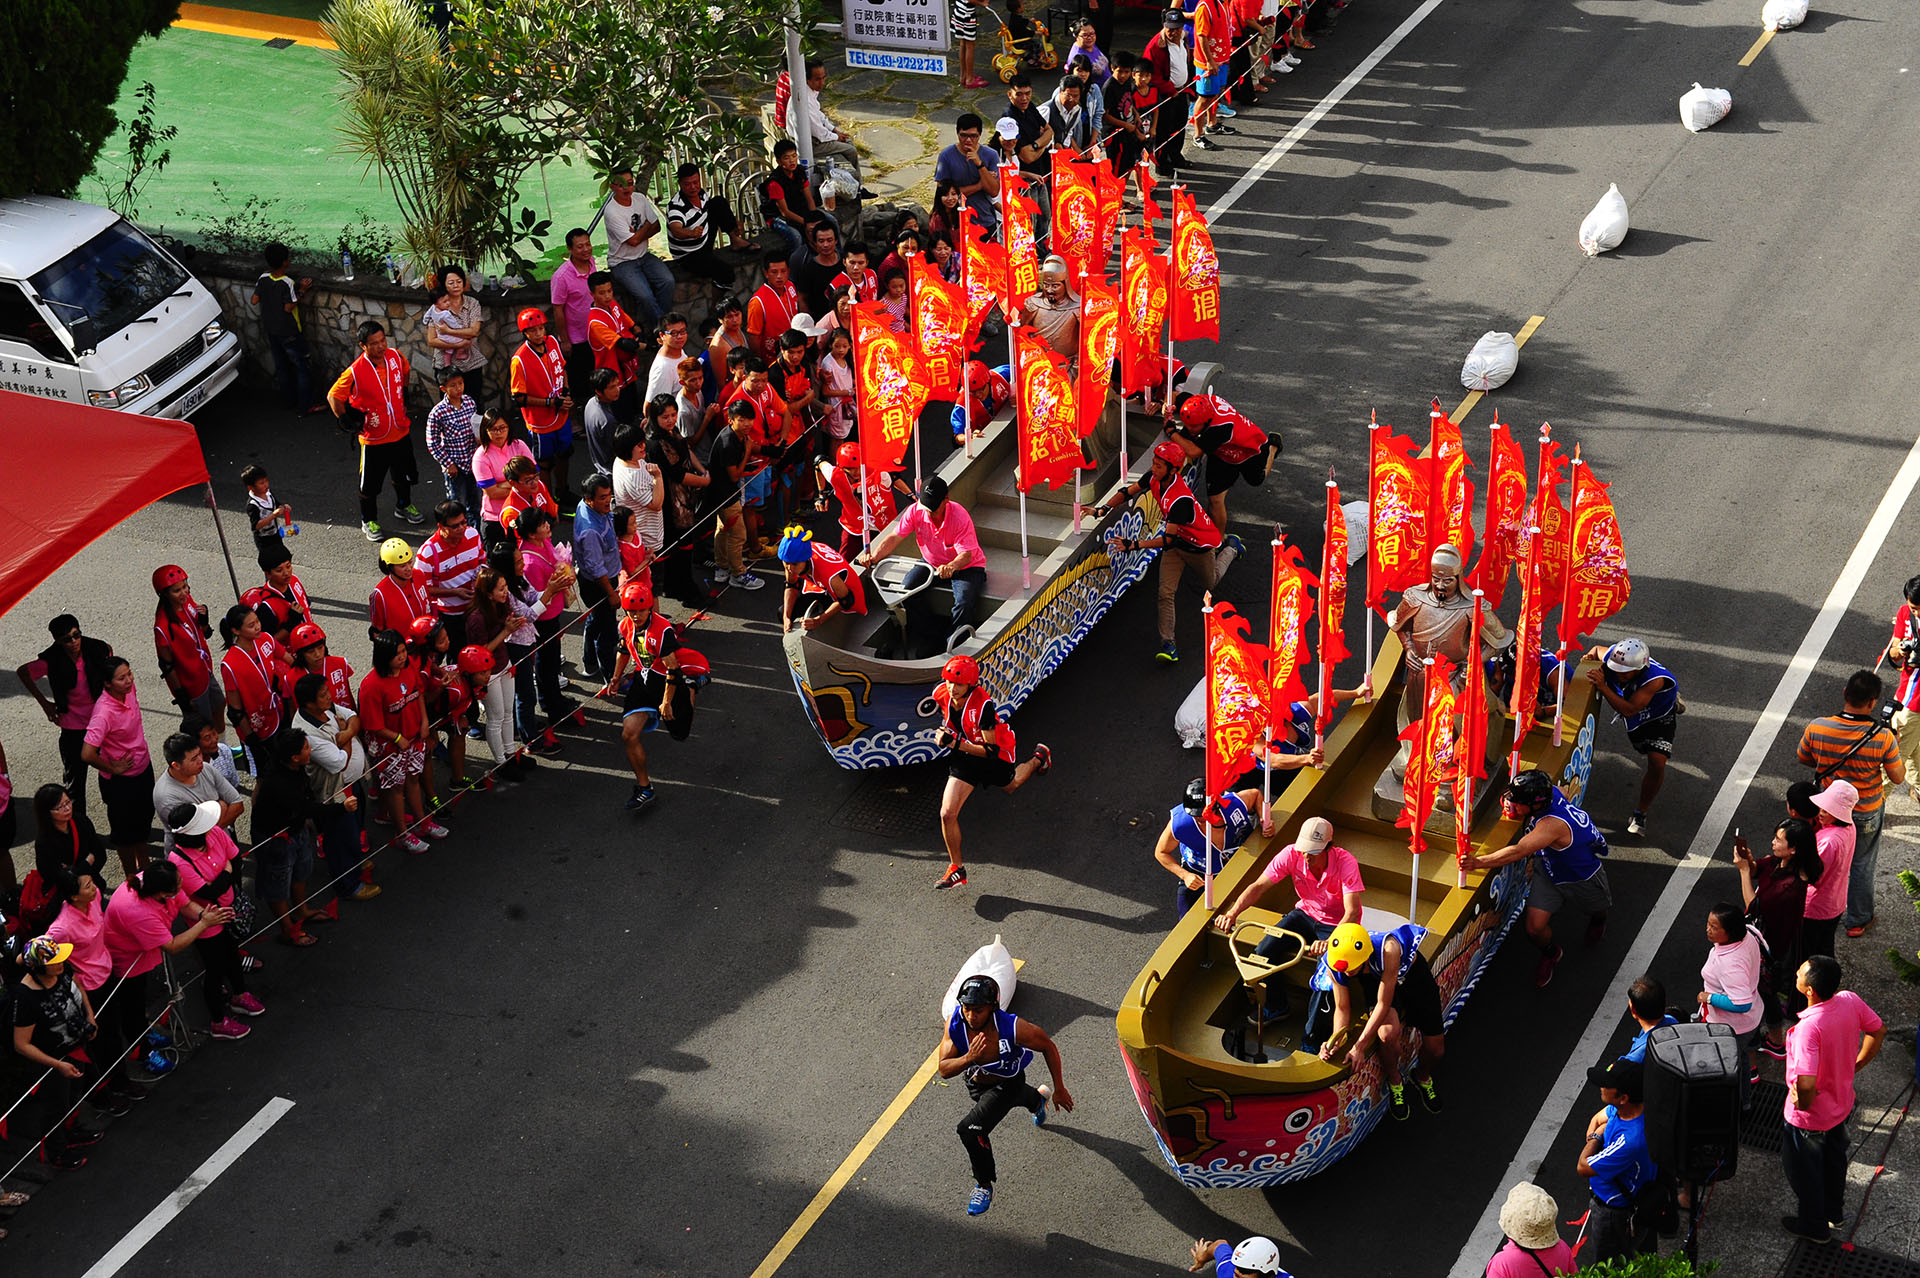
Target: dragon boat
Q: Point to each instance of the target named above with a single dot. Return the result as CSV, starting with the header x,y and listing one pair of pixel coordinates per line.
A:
x,y
1233,1104
875,711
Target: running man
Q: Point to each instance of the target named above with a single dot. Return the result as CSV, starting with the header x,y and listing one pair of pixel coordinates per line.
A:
x,y
1569,846
990,1050
1647,696
983,753
662,668
1190,840
1396,981
1234,446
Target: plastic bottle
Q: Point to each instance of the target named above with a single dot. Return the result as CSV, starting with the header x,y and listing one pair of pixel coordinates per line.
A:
x,y
346,262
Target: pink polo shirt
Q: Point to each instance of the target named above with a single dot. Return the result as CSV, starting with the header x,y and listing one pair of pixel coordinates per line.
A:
x,y
570,293
945,538
85,930
79,711
116,731
1827,899
1825,1042
136,929
1319,896
200,866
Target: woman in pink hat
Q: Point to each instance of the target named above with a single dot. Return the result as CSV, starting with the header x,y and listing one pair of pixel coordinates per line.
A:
x,y
1834,837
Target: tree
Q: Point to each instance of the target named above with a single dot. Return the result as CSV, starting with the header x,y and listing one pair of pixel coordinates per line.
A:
x,y
61,65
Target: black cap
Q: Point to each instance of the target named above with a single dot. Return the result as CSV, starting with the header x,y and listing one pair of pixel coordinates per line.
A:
x,y
933,491
1173,18
1622,1075
274,553
979,991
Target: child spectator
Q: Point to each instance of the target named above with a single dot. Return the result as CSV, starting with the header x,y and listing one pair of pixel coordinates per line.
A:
x,y
393,720
633,551
278,297
450,440
267,520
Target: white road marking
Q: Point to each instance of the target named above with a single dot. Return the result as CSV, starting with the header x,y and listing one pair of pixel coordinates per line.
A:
x,y
1573,1076
176,1202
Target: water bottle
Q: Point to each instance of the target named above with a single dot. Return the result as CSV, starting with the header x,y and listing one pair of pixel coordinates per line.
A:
x,y
346,262
493,282
392,265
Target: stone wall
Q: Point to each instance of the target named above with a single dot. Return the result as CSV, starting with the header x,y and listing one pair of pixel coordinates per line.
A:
x,y
334,308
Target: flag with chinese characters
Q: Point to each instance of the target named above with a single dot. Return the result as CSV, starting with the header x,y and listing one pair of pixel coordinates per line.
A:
x,y
1430,762
1526,636
983,268
1150,210
1396,515
1016,221
1049,429
1110,187
1506,516
1449,494
1472,754
1291,605
940,324
1143,317
1236,696
1196,273
1099,342
1333,602
890,387
1551,518
1075,233
1597,584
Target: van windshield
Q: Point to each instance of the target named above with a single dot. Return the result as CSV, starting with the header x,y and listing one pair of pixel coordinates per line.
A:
x,y
107,283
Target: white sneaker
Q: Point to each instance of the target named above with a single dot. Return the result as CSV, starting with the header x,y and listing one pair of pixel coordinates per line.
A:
x,y
434,830
747,581
414,843
1291,58
721,576
1283,67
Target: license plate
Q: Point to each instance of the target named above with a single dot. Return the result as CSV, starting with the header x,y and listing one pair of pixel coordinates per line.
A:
x,y
190,401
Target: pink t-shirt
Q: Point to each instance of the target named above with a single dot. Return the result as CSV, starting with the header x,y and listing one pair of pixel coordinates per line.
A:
x,y
1828,898
1319,896
541,562
945,539
568,290
1511,1262
1825,1042
1734,970
85,930
79,711
116,731
201,866
136,929
490,472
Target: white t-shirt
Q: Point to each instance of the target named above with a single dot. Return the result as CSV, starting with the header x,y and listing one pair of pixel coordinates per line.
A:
x,y
664,377
622,220
1177,72
633,488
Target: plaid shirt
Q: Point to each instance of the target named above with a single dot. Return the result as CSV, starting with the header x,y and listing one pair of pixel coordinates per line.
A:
x,y
450,438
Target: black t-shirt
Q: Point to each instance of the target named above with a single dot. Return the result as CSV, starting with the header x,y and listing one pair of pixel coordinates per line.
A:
x,y
1031,123
275,318
989,717
814,280
58,1015
729,450
791,187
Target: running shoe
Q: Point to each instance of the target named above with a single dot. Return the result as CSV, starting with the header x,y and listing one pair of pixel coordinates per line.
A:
x,y
1291,58
1637,823
1223,128
1167,652
747,581
228,1028
1397,1102
409,514
1206,143
1046,1094
956,876
977,1202
111,1103
1429,1095
1770,1048
371,530
434,830
1283,66
642,797
365,892
476,733
1543,974
414,843
1753,1076
1044,757
1226,112
248,1005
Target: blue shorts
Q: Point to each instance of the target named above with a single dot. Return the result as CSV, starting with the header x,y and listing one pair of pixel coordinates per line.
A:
x,y
554,443
757,488
1213,83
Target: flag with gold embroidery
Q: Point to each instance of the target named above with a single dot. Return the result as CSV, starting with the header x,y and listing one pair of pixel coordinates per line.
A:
x,y
1099,342
1597,585
1143,317
1396,515
1049,428
1236,696
890,387
1196,273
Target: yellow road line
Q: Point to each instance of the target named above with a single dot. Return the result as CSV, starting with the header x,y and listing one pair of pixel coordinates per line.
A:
x,y
1758,45
1519,339
253,26
852,1162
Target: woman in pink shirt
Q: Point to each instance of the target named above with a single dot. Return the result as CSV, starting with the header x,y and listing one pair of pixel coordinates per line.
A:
x,y
1731,981
205,855
82,923
1834,836
497,448
548,568
1533,1248
139,932
116,745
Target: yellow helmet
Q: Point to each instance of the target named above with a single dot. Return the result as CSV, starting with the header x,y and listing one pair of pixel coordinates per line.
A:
x,y
395,551
1349,948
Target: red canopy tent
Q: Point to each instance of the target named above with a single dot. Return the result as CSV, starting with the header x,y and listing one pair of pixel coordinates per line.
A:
x,y
119,463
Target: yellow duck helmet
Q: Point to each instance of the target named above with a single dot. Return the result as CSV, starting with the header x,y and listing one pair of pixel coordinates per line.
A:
x,y
1349,948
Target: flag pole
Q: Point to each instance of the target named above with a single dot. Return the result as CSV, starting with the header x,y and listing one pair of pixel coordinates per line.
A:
x,y
1418,834
1080,278
966,353
1266,764
1206,620
1173,236
1373,424
1009,176
1526,602
1566,602
1324,683
866,511
1463,802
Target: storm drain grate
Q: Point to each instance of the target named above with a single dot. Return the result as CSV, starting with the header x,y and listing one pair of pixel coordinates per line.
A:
x,y
279,42
892,808
1762,1126
1830,1260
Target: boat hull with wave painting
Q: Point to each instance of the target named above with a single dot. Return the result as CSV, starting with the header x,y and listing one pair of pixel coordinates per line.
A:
x,y
873,708
1234,1107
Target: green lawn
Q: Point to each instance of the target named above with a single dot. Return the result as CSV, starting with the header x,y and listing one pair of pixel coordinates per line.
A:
x,y
259,121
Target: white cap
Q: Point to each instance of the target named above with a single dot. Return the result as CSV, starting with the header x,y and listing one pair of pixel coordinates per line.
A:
x,y
1316,834
205,817
1007,129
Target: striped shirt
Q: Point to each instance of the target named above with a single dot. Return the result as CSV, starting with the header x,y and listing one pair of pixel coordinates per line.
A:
x,y
693,220
448,571
450,433
1825,740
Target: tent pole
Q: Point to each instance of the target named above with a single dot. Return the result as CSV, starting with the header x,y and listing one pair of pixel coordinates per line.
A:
x,y
226,553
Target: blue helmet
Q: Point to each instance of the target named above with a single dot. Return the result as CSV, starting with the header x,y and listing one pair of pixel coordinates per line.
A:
x,y
796,545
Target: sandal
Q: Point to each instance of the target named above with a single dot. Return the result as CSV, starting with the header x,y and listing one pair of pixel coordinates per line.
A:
x,y
977,82
298,940
11,1201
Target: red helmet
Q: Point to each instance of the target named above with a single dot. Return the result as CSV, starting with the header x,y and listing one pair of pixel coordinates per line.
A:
x,y
961,670
305,635
420,629
475,659
847,457
1197,411
168,576
1170,453
531,316
977,375
637,596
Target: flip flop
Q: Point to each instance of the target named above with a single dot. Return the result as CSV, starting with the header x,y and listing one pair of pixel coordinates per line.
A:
x,y
298,940
11,1200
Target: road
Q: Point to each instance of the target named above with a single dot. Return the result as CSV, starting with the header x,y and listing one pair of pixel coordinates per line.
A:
x,y
569,1042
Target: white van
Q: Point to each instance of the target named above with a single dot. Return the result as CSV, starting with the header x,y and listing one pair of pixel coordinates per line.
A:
x,y
94,312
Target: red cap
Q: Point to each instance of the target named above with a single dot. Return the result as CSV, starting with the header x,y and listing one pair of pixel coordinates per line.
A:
x,y
167,576
531,316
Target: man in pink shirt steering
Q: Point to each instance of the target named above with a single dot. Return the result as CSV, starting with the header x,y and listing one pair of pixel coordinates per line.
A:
x,y
947,542
1835,1038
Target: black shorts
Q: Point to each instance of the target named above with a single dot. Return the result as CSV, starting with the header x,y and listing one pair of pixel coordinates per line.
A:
x,y
1416,1000
1220,476
580,373
992,770
644,693
129,801
1655,736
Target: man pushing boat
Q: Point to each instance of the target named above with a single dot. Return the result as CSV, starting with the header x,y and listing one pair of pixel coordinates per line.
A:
x,y
1569,846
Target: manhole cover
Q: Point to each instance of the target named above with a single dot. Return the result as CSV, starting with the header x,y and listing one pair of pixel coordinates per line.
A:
x,y
1818,1260
1762,1126
892,808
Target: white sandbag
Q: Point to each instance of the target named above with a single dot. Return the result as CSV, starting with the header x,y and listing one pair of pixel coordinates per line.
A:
x,y
1190,720
1703,108
1355,513
1491,362
1605,227
989,960
1778,15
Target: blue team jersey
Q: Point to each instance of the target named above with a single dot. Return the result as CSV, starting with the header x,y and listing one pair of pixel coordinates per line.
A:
x,y
1196,849
1408,934
1013,1058
1298,737
1501,677
1665,701
1623,1164
1580,859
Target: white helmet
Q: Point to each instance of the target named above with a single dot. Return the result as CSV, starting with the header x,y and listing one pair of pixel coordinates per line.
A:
x,y
1258,1256
1627,656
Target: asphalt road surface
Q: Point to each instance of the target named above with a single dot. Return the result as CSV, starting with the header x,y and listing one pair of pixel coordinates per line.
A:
x,y
567,1041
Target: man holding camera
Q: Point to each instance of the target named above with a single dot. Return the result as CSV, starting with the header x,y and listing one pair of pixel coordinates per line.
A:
x,y
1903,651
1858,745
